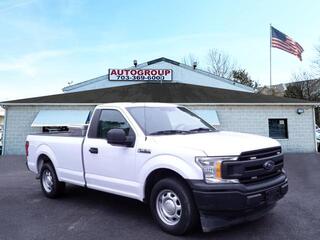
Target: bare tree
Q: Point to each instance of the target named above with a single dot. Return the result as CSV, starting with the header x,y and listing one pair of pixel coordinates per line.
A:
x,y
220,63
190,59
301,76
303,86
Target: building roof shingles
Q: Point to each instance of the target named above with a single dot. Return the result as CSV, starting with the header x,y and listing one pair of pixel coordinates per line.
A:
x,y
157,92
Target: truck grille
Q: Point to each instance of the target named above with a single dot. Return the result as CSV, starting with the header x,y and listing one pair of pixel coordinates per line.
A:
x,y
251,166
261,153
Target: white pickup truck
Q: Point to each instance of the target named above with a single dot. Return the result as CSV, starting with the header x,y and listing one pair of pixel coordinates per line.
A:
x,y
164,155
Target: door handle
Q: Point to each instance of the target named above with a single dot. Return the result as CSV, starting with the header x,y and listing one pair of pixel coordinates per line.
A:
x,y
93,150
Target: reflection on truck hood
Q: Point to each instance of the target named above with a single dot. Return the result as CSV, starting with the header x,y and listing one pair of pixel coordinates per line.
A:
x,y
220,143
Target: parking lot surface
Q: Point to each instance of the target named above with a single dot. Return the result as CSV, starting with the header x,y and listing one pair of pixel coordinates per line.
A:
x,y
87,214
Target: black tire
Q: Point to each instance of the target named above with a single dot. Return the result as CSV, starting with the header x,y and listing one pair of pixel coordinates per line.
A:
x,y
189,216
57,187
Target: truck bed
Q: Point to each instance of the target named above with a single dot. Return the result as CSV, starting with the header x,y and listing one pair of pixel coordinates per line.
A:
x,y
65,150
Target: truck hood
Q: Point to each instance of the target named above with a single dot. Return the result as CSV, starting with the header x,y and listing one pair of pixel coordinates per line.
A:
x,y
220,143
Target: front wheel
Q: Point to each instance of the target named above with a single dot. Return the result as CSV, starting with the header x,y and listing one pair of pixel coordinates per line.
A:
x,y
172,206
50,184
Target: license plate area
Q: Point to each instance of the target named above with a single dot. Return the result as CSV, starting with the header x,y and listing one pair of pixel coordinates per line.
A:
x,y
273,195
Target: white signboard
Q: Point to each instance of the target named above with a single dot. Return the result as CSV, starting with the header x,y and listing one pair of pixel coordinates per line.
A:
x,y
140,74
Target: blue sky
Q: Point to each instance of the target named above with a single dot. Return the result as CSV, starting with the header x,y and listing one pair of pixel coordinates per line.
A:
x,y
45,44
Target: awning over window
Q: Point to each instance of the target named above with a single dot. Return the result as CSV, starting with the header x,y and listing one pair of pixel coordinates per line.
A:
x,y
208,115
60,118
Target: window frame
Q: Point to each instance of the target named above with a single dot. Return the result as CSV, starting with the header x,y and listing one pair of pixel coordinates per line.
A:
x,y
286,137
94,123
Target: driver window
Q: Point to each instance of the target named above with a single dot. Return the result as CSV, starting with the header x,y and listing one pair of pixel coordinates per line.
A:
x,y
111,119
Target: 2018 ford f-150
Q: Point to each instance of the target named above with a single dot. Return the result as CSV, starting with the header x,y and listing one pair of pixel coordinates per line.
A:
x,y
167,156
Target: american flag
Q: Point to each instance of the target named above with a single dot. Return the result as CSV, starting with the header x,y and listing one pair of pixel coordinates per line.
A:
x,y
285,43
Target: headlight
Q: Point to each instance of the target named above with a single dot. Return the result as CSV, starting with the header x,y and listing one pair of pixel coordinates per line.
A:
x,y
211,168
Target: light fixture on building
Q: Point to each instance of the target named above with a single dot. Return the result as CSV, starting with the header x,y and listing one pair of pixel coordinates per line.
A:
x,y
135,63
195,64
300,111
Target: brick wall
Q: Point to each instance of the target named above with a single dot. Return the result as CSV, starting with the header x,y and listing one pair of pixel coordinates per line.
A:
x,y
18,124
254,119
249,119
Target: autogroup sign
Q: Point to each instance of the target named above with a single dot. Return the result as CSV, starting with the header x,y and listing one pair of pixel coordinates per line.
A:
x,y
140,74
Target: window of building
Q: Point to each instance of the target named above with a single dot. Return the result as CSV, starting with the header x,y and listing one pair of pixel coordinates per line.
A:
x,y
209,115
111,119
278,128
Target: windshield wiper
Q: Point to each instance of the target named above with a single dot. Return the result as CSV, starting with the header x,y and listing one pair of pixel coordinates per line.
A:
x,y
167,132
201,130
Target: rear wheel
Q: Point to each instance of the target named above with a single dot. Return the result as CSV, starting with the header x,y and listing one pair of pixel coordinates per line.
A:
x,y
172,206
50,184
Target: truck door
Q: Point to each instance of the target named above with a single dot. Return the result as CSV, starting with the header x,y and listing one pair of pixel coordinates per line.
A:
x,y
107,167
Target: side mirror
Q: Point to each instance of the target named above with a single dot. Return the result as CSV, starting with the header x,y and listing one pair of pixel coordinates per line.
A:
x,y
116,136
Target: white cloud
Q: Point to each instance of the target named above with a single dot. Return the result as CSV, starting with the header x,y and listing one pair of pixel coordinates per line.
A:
x,y
7,6
27,64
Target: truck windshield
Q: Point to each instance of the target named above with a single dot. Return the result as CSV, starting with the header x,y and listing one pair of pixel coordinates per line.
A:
x,y
168,120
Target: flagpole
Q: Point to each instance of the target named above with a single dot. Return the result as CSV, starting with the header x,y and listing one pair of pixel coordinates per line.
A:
x,y
270,55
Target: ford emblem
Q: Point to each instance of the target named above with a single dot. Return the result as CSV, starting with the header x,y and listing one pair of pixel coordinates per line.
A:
x,y
268,165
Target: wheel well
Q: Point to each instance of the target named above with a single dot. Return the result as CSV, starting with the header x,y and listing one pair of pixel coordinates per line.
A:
x,y
43,159
157,175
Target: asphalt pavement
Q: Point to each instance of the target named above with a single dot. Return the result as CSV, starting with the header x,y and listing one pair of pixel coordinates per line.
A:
x,y
87,214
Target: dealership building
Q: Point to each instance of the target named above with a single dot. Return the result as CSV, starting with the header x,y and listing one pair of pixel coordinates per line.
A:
x,y
222,102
